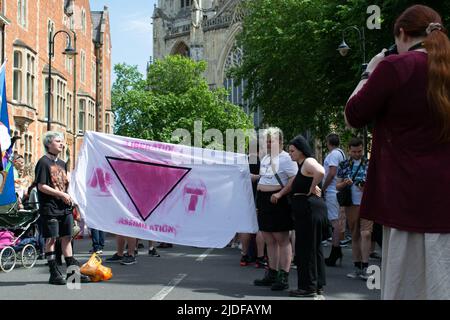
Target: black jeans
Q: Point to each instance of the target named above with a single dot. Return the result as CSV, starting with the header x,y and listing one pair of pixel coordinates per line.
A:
x,y
310,216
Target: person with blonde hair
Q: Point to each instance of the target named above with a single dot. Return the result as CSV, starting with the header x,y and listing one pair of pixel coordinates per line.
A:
x,y
407,96
277,171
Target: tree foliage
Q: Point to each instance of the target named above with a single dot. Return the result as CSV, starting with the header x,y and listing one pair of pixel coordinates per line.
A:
x,y
174,96
295,75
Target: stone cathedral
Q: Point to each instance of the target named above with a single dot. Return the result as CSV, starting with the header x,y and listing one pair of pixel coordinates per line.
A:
x,y
203,30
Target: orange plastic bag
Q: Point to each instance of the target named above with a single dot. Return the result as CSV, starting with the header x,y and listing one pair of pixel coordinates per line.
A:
x,y
104,273
95,270
90,267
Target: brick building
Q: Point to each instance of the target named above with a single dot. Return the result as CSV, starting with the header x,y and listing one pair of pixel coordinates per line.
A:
x,y
81,95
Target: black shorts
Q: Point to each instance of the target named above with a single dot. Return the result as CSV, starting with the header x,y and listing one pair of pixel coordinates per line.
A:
x,y
57,226
273,217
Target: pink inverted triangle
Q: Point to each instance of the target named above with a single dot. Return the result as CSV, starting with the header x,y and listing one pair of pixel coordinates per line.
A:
x,y
146,183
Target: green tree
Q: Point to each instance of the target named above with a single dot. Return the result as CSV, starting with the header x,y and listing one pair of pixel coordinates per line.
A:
x,y
174,96
294,73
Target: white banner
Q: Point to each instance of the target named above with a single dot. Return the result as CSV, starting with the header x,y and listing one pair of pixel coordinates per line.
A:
x,y
163,192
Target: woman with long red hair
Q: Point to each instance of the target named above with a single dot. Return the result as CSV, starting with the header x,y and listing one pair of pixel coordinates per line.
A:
x,y
407,97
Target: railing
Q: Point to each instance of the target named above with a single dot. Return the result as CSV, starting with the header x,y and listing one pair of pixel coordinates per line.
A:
x,y
176,31
218,22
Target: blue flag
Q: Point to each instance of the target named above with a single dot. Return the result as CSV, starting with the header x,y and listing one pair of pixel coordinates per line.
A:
x,y
7,191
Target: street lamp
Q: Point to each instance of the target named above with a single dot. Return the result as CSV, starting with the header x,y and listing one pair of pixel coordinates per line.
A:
x,y
70,52
344,49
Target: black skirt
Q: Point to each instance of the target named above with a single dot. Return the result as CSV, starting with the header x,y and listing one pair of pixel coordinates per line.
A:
x,y
273,217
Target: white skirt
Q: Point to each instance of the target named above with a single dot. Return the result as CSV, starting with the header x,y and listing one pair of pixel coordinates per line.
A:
x,y
415,266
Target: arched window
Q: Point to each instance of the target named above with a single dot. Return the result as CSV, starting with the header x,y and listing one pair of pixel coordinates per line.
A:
x,y
182,49
235,88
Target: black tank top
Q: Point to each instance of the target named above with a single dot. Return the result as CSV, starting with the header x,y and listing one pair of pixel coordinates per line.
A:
x,y
301,183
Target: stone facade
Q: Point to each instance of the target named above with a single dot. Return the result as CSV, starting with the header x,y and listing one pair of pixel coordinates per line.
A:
x,y
81,95
203,30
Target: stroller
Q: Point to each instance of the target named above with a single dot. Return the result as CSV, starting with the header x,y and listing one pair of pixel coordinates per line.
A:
x,y
17,236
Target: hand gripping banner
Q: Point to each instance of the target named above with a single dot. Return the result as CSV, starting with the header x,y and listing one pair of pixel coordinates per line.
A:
x,y
163,192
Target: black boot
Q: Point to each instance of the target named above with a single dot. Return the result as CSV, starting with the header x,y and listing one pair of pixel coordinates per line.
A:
x,y
336,254
71,261
56,277
282,282
269,279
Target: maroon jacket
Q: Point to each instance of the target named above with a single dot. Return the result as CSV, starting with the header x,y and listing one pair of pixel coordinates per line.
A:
x,y
408,183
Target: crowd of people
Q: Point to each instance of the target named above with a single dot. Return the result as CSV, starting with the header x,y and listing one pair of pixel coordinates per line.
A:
x,y
300,202
406,96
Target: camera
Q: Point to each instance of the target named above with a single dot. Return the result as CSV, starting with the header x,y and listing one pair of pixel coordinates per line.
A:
x,y
392,50
360,184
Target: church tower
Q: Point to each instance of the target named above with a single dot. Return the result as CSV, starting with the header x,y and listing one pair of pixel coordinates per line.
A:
x,y
203,30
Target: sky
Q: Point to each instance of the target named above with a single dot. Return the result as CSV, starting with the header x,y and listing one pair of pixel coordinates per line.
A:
x,y
131,30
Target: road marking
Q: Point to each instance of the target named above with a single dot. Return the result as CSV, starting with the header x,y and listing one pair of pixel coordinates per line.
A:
x,y
167,289
204,255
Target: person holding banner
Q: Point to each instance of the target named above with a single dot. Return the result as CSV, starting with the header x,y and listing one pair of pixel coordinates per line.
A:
x,y
273,210
55,206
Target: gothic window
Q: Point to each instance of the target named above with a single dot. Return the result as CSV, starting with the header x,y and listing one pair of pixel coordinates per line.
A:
x,y
235,88
182,49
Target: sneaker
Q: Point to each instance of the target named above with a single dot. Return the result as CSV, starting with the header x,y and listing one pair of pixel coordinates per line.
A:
x,y
325,243
153,253
365,275
245,261
260,262
115,258
128,260
355,274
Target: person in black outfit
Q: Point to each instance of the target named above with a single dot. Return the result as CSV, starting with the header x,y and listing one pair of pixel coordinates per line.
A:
x,y
310,220
55,206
